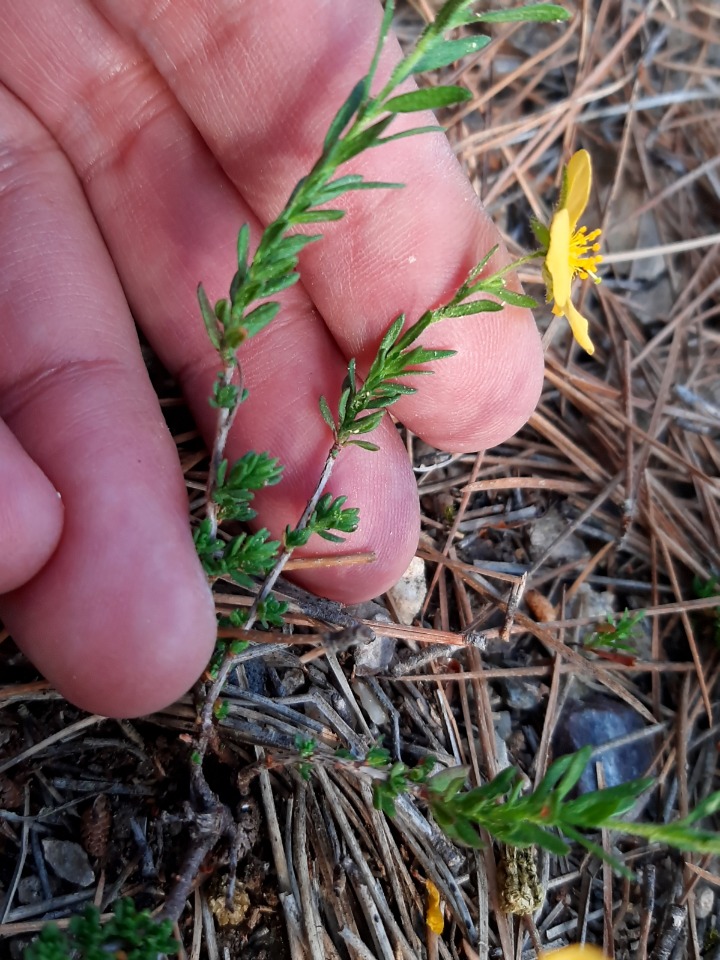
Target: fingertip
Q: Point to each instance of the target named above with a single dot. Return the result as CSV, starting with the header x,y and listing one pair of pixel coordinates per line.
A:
x,y
387,535
381,485
487,392
31,514
122,648
121,618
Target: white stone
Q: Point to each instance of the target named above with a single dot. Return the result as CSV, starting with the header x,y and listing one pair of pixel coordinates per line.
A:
x,y
408,594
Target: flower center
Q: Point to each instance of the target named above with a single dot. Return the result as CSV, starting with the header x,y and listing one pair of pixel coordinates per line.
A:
x,y
583,256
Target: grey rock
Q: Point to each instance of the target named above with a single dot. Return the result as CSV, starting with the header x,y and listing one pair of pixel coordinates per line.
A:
x,y
522,694
595,604
374,657
30,890
545,530
599,720
292,681
69,861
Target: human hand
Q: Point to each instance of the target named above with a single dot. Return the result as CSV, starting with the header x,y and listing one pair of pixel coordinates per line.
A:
x,y
136,137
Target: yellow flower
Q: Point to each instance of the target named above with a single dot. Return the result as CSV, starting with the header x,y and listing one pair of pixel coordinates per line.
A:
x,y
434,916
572,252
575,951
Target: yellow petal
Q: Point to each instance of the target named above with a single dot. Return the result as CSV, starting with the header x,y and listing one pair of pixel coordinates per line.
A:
x,y
579,179
557,260
579,327
576,951
434,916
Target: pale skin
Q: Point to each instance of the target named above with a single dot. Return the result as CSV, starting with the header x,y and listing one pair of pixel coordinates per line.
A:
x,y
136,136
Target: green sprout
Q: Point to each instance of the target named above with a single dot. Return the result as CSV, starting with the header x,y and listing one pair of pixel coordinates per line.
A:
x,y
620,636
130,933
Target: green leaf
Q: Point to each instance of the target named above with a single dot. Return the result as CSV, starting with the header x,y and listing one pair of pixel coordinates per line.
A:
x,y
381,403
209,318
345,114
260,317
294,538
272,287
542,234
342,404
385,25
525,834
474,306
534,13
412,132
482,263
464,833
291,245
472,801
365,444
393,389
598,806
424,355
573,771
271,612
366,424
674,834
443,54
318,216
243,242
383,799
429,98
706,808
337,187
378,757
330,537
327,414
351,146
393,332
516,299
444,784
453,13
617,865
378,184
272,268
557,770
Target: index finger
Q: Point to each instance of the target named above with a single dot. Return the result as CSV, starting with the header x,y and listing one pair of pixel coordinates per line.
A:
x,y
398,251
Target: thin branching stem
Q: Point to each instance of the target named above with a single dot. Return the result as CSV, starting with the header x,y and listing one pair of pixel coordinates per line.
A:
x,y
226,418
229,661
279,565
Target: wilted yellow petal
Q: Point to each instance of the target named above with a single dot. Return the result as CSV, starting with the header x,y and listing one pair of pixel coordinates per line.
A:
x,y
434,917
557,261
579,180
579,327
576,951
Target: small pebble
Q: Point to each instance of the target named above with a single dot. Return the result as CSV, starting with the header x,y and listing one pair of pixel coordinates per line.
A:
x,y
69,861
292,681
522,694
29,890
545,530
375,657
370,704
597,720
704,902
408,594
